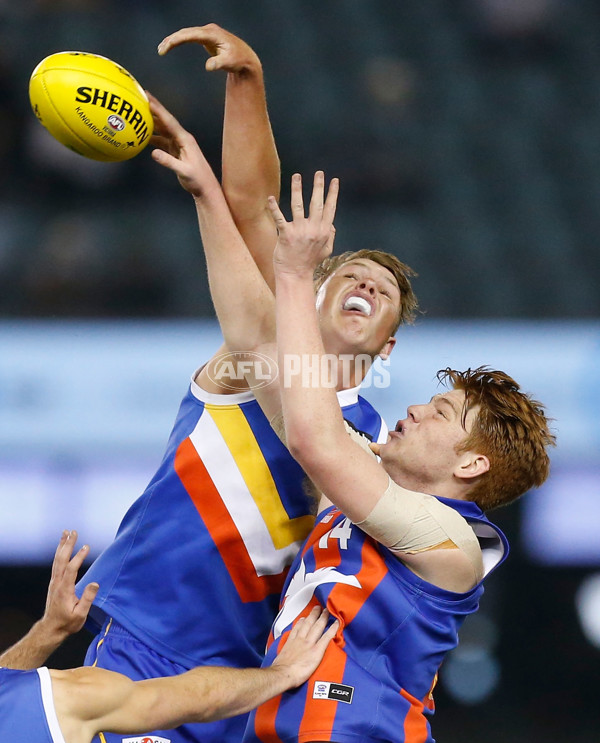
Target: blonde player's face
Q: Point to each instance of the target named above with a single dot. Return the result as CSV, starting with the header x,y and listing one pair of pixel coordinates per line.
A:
x,y
422,451
358,308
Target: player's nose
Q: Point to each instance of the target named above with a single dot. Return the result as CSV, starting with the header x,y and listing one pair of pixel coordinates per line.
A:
x,y
368,285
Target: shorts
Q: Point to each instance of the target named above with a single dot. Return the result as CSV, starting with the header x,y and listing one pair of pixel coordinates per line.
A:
x,y
116,649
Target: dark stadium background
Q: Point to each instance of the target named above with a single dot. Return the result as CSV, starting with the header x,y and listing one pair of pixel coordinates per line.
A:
x,y
466,134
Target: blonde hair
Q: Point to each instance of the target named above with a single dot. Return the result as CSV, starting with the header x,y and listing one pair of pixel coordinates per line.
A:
x,y
401,272
511,429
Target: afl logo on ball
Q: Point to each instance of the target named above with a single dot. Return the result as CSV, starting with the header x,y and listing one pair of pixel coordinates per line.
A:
x,y
116,122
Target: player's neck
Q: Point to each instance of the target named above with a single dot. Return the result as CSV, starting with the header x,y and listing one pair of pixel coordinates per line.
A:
x,y
351,371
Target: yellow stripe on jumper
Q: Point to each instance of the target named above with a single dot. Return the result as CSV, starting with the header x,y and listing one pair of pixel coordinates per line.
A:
x,y
241,442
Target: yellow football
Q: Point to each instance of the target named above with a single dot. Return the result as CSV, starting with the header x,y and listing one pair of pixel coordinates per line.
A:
x,y
91,105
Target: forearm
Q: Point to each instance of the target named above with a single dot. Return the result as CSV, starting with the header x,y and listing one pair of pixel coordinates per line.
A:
x,y
251,169
250,164
242,300
34,649
212,693
201,695
311,410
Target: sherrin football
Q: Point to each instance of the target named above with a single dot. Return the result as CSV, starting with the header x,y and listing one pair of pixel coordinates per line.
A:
x,y
91,105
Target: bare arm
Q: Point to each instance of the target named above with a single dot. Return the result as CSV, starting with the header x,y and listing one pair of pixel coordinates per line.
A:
x,y
64,615
339,467
314,426
250,167
95,700
244,304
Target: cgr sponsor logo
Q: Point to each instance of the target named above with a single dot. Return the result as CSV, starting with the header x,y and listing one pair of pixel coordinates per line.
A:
x,y
337,692
147,739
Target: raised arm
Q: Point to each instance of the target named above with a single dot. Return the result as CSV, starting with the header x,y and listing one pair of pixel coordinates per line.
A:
x,y
428,536
244,304
314,426
64,614
94,700
250,163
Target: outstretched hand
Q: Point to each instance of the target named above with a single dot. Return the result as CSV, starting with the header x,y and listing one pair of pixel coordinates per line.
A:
x,y
305,241
228,52
305,646
65,614
177,150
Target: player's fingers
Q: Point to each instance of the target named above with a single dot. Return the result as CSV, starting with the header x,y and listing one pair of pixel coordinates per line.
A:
x,y
315,208
162,143
164,120
59,559
198,34
276,213
161,139
305,626
329,635
221,60
296,629
167,161
83,606
331,201
297,202
77,560
87,599
317,625
331,240
63,554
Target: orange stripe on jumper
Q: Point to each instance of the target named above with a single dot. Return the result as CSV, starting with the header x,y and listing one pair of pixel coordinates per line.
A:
x,y
346,601
264,721
205,496
319,714
415,723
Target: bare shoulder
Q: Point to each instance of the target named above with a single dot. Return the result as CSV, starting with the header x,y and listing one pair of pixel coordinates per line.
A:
x,y
221,375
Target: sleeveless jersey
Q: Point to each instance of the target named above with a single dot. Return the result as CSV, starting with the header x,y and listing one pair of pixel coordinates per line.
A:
x,y
27,712
199,560
375,682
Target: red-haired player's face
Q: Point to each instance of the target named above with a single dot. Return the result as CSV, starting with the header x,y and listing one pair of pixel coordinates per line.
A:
x,y
422,452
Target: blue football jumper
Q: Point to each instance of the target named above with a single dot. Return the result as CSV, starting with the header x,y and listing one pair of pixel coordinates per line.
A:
x,y
196,570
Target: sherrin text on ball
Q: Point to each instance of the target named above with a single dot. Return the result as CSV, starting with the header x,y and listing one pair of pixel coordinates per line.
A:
x,y
92,105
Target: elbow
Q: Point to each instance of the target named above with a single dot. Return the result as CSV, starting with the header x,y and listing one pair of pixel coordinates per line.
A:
x,y
308,448
245,205
299,446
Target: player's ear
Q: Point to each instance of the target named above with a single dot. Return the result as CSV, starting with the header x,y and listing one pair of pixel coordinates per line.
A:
x,y
472,465
387,348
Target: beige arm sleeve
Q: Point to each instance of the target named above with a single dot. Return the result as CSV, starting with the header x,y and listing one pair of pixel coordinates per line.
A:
x,y
405,521
408,522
